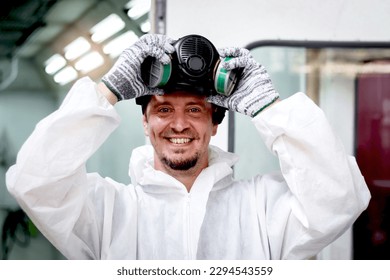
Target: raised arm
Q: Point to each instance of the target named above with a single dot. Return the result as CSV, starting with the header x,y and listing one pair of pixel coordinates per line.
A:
x,y
323,191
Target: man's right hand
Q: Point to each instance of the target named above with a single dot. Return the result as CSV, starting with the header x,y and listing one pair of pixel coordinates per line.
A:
x,y
124,78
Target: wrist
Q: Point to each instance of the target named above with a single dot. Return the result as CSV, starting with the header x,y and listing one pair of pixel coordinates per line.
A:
x,y
267,106
108,94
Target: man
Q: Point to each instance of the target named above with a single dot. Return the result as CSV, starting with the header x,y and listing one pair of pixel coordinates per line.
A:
x,y
183,202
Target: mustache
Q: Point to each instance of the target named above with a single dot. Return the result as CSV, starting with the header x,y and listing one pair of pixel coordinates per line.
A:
x,y
188,133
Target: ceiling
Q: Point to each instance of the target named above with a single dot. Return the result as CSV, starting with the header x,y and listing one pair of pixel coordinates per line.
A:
x,y
32,31
28,26
19,19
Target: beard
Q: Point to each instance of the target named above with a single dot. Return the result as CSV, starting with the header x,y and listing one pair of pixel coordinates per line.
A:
x,y
182,164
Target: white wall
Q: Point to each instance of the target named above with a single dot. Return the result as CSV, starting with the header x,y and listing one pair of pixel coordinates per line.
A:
x,y
232,22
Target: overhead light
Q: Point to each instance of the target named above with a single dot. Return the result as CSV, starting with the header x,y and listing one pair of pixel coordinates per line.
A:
x,y
145,26
106,28
115,47
77,48
89,62
65,76
54,63
138,8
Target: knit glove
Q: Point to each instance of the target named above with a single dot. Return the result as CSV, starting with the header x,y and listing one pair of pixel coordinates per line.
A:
x,y
124,78
254,91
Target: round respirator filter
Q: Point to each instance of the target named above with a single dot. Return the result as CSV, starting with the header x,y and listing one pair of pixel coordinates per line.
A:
x,y
196,56
225,80
154,73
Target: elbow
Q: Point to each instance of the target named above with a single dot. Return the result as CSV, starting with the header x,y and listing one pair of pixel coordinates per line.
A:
x,y
21,186
354,204
10,180
362,198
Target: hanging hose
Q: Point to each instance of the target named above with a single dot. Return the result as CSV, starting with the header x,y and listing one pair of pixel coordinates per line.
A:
x,y
15,231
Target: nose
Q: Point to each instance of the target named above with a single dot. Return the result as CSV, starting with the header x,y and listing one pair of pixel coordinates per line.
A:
x,y
179,121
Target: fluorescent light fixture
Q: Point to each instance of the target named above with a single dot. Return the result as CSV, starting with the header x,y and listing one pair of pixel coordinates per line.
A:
x,y
89,62
77,48
106,28
145,26
138,8
54,63
65,76
115,47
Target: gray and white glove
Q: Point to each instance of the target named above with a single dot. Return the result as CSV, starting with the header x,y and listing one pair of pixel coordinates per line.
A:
x,y
124,78
254,91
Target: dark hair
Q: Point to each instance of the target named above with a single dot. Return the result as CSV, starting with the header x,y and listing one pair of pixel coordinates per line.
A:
x,y
218,111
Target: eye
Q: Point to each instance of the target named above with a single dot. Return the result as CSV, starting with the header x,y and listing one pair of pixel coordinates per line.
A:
x,y
194,110
164,110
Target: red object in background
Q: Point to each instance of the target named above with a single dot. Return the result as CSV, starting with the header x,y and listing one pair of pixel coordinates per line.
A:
x,y
373,157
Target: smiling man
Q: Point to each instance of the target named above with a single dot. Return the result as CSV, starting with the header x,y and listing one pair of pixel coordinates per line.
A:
x,y
183,202
180,127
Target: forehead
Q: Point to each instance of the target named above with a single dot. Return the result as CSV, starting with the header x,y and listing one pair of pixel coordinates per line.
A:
x,y
179,99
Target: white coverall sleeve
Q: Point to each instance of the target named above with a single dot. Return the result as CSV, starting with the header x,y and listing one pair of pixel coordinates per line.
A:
x,y
49,179
325,190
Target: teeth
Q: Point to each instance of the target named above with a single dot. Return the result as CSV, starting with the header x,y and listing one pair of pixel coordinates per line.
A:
x,y
179,140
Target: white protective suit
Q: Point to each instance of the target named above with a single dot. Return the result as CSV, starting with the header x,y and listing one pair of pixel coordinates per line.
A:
x,y
292,215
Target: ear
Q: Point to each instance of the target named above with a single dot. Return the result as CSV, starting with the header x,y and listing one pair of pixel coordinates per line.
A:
x,y
145,124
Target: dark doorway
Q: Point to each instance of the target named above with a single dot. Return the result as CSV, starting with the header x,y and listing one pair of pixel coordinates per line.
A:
x,y
372,229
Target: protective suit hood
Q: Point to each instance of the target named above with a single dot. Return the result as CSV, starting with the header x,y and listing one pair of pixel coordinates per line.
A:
x,y
142,172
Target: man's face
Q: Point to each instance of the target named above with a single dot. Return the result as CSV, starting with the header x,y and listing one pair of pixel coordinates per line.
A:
x,y
179,126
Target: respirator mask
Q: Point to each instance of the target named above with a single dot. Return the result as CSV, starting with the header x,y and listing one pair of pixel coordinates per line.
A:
x,y
195,66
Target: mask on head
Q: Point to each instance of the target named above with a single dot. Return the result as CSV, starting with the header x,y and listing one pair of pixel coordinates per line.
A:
x,y
195,66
